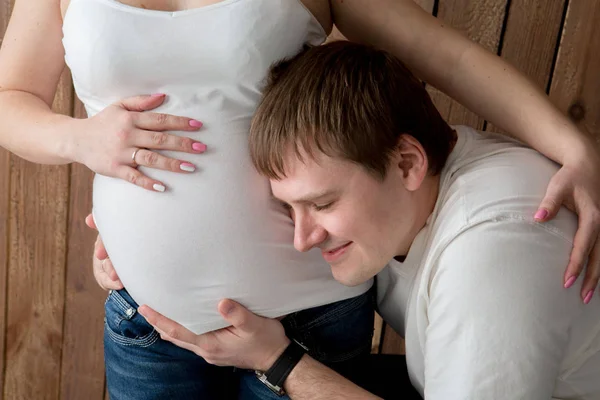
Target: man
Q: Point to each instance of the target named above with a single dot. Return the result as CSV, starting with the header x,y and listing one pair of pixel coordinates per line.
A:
x,y
371,173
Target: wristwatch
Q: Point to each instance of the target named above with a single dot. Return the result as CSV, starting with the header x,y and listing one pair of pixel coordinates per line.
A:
x,y
277,374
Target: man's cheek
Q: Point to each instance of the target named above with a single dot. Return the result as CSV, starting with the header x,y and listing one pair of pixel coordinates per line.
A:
x,y
340,226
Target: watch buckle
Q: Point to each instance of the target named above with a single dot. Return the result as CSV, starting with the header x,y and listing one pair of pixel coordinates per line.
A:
x,y
274,388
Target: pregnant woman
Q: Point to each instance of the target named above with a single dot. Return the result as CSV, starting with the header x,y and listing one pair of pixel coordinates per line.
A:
x,y
181,242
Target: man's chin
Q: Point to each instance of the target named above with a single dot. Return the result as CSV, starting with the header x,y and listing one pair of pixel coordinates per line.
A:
x,y
347,275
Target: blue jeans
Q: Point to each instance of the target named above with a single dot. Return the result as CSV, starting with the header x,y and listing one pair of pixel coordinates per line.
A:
x,y
142,366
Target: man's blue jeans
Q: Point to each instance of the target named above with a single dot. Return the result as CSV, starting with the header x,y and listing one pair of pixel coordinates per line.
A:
x,y
142,366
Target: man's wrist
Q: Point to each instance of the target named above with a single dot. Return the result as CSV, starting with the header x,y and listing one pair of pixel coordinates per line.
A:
x,y
275,377
274,356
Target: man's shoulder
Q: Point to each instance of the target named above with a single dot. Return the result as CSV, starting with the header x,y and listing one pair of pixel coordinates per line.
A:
x,y
492,174
491,178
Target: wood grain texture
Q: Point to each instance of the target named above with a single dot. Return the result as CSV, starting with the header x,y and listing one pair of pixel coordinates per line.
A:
x,y
392,342
575,88
531,34
377,334
4,251
481,21
38,228
82,367
5,10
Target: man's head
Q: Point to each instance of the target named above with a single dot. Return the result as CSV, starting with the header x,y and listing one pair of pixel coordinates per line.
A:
x,y
353,144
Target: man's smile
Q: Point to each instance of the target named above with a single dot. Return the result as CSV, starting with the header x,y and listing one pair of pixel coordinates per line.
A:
x,y
336,253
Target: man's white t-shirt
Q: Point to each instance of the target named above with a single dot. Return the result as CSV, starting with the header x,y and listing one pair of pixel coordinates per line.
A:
x,y
479,297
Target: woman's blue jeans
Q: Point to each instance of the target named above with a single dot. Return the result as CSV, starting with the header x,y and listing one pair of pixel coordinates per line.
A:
x,y
142,366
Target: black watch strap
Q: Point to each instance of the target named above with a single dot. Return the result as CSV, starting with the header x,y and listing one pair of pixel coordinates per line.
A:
x,y
278,373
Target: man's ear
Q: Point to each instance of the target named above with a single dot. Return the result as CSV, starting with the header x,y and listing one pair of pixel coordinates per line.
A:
x,y
410,162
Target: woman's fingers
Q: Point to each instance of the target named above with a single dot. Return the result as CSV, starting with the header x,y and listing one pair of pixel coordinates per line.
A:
x,y
106,280
152,159
165,122
89,221
592,273
586,248
165,141
132,175
99,249
109,270
142,103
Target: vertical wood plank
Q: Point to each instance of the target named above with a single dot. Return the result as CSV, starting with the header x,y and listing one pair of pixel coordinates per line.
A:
x,y
392,342
38,203
575,87
531,34
82,361
426,5
5,10
377,334
4,249
481,21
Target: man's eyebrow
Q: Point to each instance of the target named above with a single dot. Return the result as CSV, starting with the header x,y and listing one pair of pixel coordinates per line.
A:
x,y
313,197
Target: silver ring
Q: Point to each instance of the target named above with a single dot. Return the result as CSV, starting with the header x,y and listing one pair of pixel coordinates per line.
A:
x,y
135,164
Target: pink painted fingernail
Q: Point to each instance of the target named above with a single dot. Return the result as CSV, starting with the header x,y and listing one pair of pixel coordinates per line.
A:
x,y
588,297
199,147
541,214
157,95
195,124
570,282
186,166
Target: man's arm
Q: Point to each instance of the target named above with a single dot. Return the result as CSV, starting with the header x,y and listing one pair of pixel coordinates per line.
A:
x,y
255,343
311,380
498,323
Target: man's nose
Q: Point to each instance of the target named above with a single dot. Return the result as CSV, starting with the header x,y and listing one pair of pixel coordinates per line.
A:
x,y
307,234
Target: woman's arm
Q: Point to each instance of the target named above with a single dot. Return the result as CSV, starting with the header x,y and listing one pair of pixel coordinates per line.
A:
x,y
31,63
496,91
443,57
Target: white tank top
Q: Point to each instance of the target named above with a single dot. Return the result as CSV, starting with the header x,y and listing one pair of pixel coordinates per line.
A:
x,y
215,233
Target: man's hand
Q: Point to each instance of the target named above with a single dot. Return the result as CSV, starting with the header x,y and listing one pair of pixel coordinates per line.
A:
x,y
104,272
252,342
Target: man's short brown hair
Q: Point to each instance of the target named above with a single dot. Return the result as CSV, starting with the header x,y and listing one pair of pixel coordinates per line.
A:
x,y
349,101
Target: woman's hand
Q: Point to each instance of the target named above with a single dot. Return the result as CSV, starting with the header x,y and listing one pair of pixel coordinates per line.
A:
x,y
577,186
104,272
122,136
252,342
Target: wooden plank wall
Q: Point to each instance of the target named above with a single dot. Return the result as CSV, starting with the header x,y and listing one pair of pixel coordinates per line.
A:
x,y
50,306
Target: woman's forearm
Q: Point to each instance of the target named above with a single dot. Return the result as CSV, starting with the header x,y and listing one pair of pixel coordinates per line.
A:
x,y
31,130
498,92
475,77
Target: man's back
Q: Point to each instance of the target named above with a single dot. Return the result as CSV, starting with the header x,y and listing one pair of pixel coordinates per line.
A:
x,y
487,316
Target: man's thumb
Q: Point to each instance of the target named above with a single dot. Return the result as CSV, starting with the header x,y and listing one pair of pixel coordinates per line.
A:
x,y
237,315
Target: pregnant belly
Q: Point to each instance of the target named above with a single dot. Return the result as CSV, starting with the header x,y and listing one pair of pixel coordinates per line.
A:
x,y
213,234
